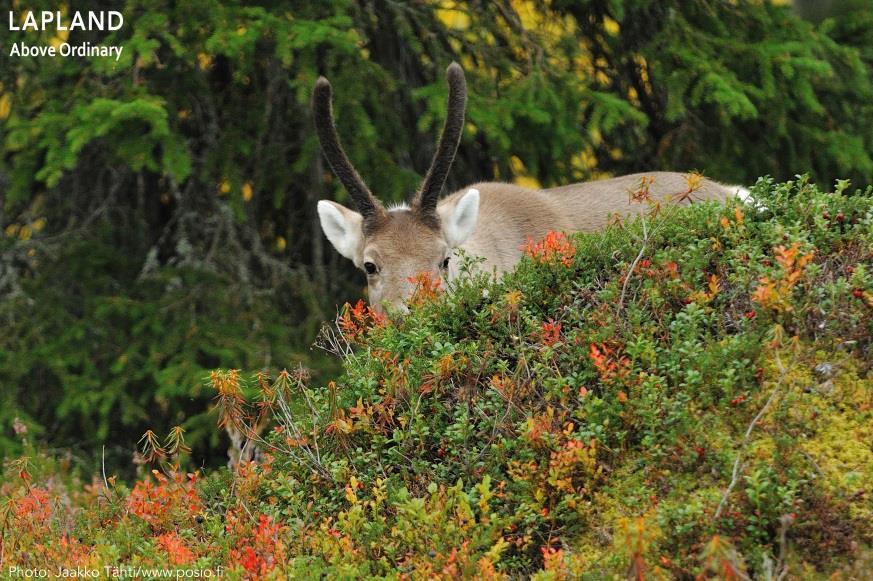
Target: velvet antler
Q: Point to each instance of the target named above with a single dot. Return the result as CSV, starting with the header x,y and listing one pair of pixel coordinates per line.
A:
x,y
428,195
363,199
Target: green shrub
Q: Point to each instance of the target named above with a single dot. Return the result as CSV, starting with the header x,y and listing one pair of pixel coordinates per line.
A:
x,y
594,404
683,394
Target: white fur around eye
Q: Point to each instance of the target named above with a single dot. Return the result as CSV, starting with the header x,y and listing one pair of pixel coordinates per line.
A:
x,y
343,227
459,219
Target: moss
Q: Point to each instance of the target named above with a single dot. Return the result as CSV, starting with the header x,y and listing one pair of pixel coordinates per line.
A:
x,y
841,443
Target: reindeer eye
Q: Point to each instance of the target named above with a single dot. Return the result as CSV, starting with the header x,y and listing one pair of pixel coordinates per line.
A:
x,y
370,268
446,263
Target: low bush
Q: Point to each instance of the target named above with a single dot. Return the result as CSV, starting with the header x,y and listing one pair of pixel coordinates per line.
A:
x,y
686,394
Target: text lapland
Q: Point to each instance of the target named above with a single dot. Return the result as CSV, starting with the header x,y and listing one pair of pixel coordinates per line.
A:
x,y
48,20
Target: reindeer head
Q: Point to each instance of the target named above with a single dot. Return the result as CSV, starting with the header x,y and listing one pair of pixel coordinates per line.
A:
x,y
393,246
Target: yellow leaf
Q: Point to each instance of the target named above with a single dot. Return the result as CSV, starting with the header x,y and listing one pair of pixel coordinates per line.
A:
x,y
785,256
528,182
247,191
519,171
281,243
495,551
694,181
713,285
5,106
204,61
60,38
38,224
513,299
453,18
224,187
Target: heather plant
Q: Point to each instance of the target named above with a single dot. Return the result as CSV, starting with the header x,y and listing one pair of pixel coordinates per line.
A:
x,y
685,394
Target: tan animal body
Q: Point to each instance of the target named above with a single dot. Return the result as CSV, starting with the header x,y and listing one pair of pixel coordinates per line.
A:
x,y
490,221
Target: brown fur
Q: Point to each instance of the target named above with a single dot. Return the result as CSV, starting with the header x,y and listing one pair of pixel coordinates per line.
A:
x,y
404,243
399,244
509,214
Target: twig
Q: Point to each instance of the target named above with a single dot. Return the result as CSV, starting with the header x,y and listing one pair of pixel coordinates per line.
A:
x,y
781,570
812,461
737,463
6,511
634,265
103,467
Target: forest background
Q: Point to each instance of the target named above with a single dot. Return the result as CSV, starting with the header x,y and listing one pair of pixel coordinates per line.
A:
x,y
157,214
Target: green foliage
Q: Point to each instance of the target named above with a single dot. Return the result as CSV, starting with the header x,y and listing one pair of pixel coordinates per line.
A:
x,y
605,400
129,359
158,212
682,394
736,90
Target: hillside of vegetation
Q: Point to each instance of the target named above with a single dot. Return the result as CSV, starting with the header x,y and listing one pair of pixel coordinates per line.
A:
x,y
158,213
683,395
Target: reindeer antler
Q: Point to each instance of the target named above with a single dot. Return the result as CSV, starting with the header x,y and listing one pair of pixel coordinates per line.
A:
x,y
427,196
363,199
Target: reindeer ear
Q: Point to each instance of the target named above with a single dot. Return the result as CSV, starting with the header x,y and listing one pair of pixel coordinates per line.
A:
x,y
343,227
459,218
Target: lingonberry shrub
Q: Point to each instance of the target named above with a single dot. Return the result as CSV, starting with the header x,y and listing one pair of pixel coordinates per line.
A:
x,y
685,394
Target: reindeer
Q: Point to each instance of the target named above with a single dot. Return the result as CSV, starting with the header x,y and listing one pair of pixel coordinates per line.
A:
x,y
488,221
